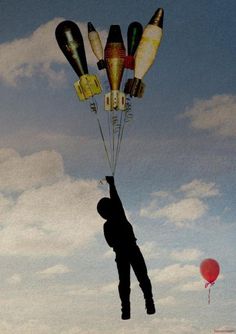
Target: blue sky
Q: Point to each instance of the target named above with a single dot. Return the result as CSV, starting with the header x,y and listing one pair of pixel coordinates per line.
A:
x,y
176,172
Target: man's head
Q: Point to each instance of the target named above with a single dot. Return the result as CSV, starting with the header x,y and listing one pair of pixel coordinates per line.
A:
x,y
104,207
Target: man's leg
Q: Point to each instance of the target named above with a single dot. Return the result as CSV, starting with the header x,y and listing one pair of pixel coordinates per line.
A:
x,y
140,270
123,266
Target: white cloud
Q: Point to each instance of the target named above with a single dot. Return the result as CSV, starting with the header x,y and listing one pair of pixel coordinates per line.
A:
x,y
28,327
31,55
56,270
192,286
49,311
150,250
77,330
176,325
167,301
224,329
53,219
217,114
5,204
91,291
188,254
174,273
14,279
179,212
109,254
164,325
200,189
22,173
7,154
187,209
183,205
37,53
161,194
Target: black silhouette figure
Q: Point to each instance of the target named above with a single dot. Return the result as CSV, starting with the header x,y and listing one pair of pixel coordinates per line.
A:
x,y
119,235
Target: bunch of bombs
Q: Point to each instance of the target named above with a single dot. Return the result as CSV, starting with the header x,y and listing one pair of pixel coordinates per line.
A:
x,y
142,47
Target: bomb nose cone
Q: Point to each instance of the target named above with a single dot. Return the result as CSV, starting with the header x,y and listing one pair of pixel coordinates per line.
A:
x,y
91,27
134,35
65,26
157,18
114,35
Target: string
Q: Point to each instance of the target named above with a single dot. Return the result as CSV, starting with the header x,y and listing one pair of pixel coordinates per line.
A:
x,y
127,118
94,109
119,139
209,296
210,284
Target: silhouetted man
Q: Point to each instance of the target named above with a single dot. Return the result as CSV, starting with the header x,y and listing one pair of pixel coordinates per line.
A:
x,y
119,235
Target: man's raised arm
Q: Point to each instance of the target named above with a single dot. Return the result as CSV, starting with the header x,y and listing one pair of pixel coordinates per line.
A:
x,y
114,195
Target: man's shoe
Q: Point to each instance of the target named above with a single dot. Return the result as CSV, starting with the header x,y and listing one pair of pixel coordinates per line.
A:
x,y
150,307
125,315
125,312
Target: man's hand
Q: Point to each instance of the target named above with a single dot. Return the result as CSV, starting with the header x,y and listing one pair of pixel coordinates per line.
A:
x,y
110,180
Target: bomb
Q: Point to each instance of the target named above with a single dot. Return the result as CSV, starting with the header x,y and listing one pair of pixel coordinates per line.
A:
x,y
146,53
115,62
134,35
96,45
70,41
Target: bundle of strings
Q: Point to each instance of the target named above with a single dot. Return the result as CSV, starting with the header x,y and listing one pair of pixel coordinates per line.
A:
x,y
116,121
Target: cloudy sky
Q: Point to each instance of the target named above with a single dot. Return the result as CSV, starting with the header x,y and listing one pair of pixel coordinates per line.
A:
x,y
176,172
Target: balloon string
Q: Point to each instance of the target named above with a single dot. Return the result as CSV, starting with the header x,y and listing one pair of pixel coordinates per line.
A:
x,y
105,147
209,296
126,119
109,129
119,139
113,139
210,284
94,109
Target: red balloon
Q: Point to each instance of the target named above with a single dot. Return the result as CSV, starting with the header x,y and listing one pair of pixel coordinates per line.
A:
x,y
210,270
